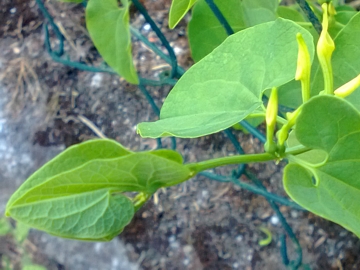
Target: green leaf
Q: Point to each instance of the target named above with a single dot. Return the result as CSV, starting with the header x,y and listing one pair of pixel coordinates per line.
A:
x,y
96,215
344,8
77,194
314,156
108,26
290,13
330,189
227,85
343,17
70,159
259,11
339,21
205,31
178,10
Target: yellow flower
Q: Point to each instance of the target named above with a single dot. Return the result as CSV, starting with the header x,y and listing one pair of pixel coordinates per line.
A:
x,y
348,88
303,68
271,115
325,48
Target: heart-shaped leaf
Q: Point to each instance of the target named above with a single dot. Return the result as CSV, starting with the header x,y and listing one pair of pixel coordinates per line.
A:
x,y
206,32
108,26
227,85
72,158
78,193
95,216
330,189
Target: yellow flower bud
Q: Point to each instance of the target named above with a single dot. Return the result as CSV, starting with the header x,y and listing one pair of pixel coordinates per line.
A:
x,y
303,68
325,48
283,133
272,108
348,88
271,115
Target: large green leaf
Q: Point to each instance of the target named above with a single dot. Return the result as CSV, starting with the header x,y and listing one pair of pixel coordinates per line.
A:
x,y
205,31
330,189
290,13
226,86
77,194
108,26
96,215
178,10
70,159
259,11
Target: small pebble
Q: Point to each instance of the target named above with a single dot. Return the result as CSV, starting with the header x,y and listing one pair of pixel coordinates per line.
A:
x,y
274,220
146,27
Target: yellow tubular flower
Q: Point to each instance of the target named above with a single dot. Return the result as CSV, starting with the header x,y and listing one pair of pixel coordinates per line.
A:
x,y
271,114
303,68
348,88
325,48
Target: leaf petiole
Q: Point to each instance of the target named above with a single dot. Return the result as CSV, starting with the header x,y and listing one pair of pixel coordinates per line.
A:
x,y
223,161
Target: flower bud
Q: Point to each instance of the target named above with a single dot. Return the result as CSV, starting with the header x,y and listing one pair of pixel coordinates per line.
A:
x,y
325,48
271,115
348,88
303,68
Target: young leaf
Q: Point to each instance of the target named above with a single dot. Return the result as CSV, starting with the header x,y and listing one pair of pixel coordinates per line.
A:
x,y
178,10
226,86
77,194
108,26
330,189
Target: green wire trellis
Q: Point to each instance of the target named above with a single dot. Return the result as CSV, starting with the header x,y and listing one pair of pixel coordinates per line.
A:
x,y
176,72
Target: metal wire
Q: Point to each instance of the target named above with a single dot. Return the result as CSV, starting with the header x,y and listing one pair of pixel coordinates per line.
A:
x,y
310,15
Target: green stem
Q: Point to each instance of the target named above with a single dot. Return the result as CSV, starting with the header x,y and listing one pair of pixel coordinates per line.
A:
x,y
242,159
238,159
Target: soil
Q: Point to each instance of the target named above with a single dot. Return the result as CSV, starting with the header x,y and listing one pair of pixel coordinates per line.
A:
x,y
201,224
